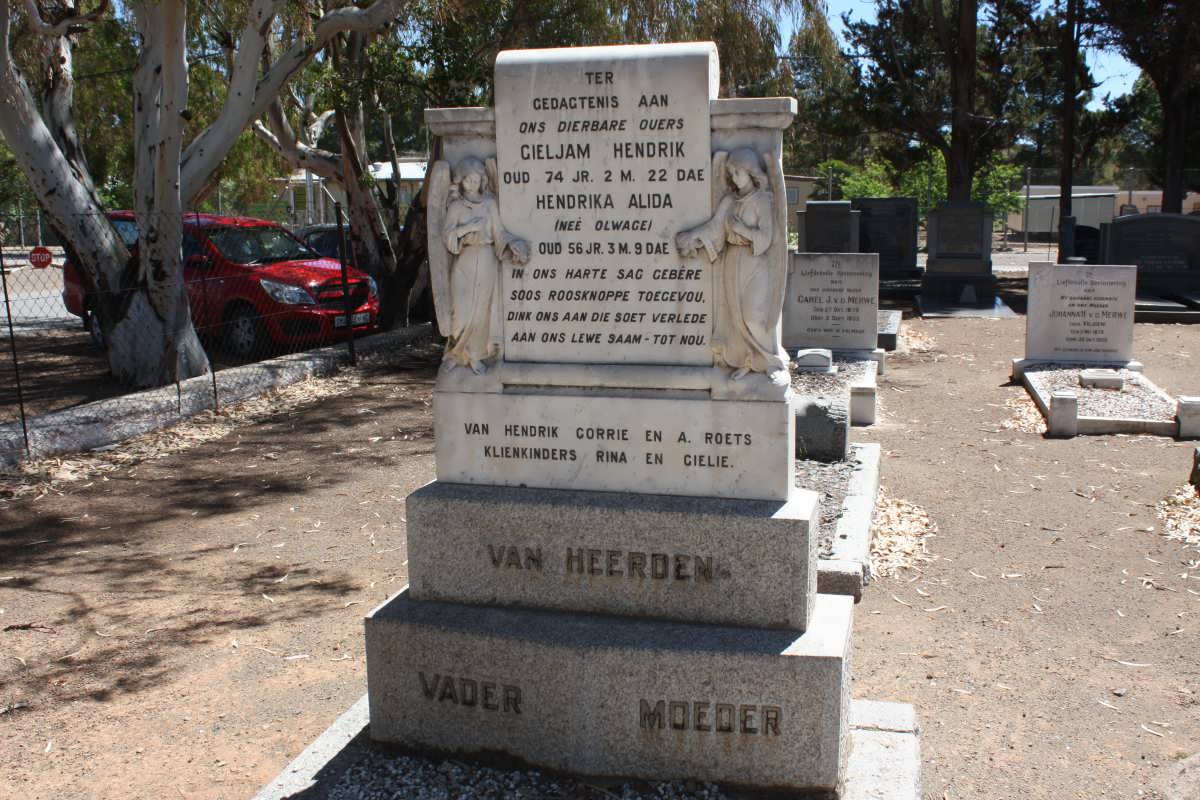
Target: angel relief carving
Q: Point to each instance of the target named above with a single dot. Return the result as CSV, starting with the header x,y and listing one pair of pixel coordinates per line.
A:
x,y
467,245
741,238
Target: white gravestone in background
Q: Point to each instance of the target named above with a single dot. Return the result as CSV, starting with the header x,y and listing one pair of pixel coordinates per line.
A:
x,y
832,301
1080,313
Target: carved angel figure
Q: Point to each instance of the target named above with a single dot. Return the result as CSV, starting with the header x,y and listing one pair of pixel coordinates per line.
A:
x,y
749,283
465,224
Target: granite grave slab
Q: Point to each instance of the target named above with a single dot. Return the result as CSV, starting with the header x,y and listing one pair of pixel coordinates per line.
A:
x,y
828,226
888,227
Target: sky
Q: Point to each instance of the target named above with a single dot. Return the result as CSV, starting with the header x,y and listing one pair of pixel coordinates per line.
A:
x,y
1114,74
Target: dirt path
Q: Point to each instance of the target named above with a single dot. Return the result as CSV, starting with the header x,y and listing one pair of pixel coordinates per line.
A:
x,y
182,628
1050,572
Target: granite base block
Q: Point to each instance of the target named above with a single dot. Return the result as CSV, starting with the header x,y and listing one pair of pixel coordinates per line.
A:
x,y
614,697
884,762
889,322
728,562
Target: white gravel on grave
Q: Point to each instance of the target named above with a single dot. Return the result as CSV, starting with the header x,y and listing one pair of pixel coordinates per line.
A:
x,y
381,776
1139,399
821,384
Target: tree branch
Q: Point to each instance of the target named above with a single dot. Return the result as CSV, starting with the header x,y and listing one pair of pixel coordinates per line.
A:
x,y
68,25
249,95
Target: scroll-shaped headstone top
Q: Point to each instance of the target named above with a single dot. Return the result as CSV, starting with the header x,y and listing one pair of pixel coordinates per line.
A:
x,y
1080,313
604,155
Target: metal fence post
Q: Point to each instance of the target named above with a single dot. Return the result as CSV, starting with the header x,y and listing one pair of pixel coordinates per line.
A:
x,y
346,302
12,342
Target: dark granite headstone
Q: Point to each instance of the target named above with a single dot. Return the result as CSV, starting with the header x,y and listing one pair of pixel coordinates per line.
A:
x,y
959,265
888,226
827,226
1165,247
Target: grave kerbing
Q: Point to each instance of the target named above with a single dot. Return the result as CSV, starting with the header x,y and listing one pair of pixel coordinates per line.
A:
x,y
625,350
1079,364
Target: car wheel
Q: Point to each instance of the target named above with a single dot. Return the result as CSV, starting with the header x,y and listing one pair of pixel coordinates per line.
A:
x,y
244,334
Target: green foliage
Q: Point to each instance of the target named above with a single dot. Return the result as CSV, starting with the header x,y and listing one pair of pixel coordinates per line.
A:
x,y
851,180
869,180
926,181
821,79
906,59
996,184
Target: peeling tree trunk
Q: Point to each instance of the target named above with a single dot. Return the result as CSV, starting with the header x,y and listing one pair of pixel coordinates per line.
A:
x,y
156,330
48,153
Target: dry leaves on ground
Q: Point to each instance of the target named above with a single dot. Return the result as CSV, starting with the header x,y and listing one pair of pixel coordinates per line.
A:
x,y
45,476
915,341
900,536
1026,417
1180,513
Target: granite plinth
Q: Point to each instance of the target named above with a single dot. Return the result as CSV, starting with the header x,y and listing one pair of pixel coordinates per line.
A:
x,y
683,445
731,562
888,329
611,697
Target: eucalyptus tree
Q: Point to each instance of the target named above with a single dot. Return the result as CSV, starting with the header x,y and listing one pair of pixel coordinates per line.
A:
x,y
934,76
1162,37
143,308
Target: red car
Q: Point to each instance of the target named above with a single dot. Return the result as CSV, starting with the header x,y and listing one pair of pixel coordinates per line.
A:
x,y
252,283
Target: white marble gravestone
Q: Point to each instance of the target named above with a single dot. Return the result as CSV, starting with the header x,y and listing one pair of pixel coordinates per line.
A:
x,y
1079,313
614,442
832,302
611,327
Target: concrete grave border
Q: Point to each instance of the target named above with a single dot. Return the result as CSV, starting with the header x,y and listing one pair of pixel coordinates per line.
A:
x,y
848,569
104,422
884,763
1060,408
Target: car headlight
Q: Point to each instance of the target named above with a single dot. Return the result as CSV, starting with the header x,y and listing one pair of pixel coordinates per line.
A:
x,y
286,293
373,287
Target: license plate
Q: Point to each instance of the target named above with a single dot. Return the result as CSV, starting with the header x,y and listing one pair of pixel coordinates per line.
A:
x,y
356,320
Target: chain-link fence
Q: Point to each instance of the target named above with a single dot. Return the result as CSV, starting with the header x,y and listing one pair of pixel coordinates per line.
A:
x,y
72,350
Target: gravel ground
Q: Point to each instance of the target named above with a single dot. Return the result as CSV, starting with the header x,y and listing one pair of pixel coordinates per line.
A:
x,y
1140,399
823,385
379,775
830,481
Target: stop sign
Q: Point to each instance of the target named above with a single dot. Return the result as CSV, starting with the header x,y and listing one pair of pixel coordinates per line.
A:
x,y
39,258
